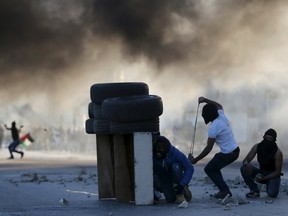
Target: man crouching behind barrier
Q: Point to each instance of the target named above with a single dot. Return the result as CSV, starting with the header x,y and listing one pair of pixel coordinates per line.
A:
x,y
172,172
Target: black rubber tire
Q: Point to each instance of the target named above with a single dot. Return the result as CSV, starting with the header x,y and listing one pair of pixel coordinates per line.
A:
x,y
151,125
91,110
100,91
97,126
132,108
101,126
95,111
89,126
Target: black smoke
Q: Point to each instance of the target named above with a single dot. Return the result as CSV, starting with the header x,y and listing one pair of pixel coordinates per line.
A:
x,y
144,26
33,41
42,39
40,36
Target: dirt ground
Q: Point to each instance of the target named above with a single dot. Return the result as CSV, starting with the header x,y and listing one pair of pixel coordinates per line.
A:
x,y
63,184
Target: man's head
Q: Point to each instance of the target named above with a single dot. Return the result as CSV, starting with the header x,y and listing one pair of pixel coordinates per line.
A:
x,y
161,147
209,113
270,135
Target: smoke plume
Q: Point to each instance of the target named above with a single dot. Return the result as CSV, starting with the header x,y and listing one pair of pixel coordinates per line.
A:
x,y
52,51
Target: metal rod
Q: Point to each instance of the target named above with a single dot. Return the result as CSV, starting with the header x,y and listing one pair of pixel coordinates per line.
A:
x,y
194,134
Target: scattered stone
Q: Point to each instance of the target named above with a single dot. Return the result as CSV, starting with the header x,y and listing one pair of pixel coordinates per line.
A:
x,y
233,201
63,201
79,178
269,201
207,180
43,178
238,180
31,176
240,200
83,172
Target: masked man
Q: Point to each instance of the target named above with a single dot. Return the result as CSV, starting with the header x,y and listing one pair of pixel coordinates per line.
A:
x,y
15,136
270,159
172,171
220,133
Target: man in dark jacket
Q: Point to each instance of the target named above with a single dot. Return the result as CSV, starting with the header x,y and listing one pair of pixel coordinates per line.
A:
x,y
15,136
172,171
270,159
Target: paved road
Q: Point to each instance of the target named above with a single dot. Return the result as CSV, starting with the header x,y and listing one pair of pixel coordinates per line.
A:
x,y
38,186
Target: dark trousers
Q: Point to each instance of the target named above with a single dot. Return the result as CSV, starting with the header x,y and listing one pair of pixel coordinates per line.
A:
x,y
214,166
272,185
12,147
166,177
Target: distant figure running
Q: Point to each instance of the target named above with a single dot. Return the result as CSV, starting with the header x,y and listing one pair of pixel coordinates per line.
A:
x,y
15,136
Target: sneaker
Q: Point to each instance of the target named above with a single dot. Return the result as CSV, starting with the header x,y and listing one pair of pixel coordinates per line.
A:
x,y
187,193
179,198
222,194
22,154
253,194
11,158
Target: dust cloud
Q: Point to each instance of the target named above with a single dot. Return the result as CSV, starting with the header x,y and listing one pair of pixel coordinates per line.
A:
x,y
233,51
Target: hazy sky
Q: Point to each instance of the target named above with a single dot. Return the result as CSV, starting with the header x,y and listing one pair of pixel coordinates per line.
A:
x,y
52,51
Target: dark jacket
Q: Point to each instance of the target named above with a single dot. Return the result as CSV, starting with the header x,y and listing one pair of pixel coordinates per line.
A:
x,y
176,156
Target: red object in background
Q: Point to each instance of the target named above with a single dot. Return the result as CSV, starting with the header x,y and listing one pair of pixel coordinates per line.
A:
x,y
26,136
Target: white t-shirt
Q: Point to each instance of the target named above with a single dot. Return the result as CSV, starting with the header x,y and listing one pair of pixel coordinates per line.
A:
x,y
222,133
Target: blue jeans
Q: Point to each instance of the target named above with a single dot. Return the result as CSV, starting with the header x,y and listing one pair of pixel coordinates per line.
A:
x,y
214,166
272,185
165,178
12,147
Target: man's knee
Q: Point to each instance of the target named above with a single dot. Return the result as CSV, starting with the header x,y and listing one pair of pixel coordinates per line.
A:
x,y
177,172
11,147
272,191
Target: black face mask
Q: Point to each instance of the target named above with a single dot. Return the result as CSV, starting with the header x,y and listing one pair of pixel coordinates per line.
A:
x,y
209,113
161,155
161,147
266,151
206,118
270,135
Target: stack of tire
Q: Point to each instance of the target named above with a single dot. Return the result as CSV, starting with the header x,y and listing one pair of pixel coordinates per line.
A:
x,y
123,108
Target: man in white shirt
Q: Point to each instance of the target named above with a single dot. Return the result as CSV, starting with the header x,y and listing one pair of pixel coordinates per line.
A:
x,y
220,133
